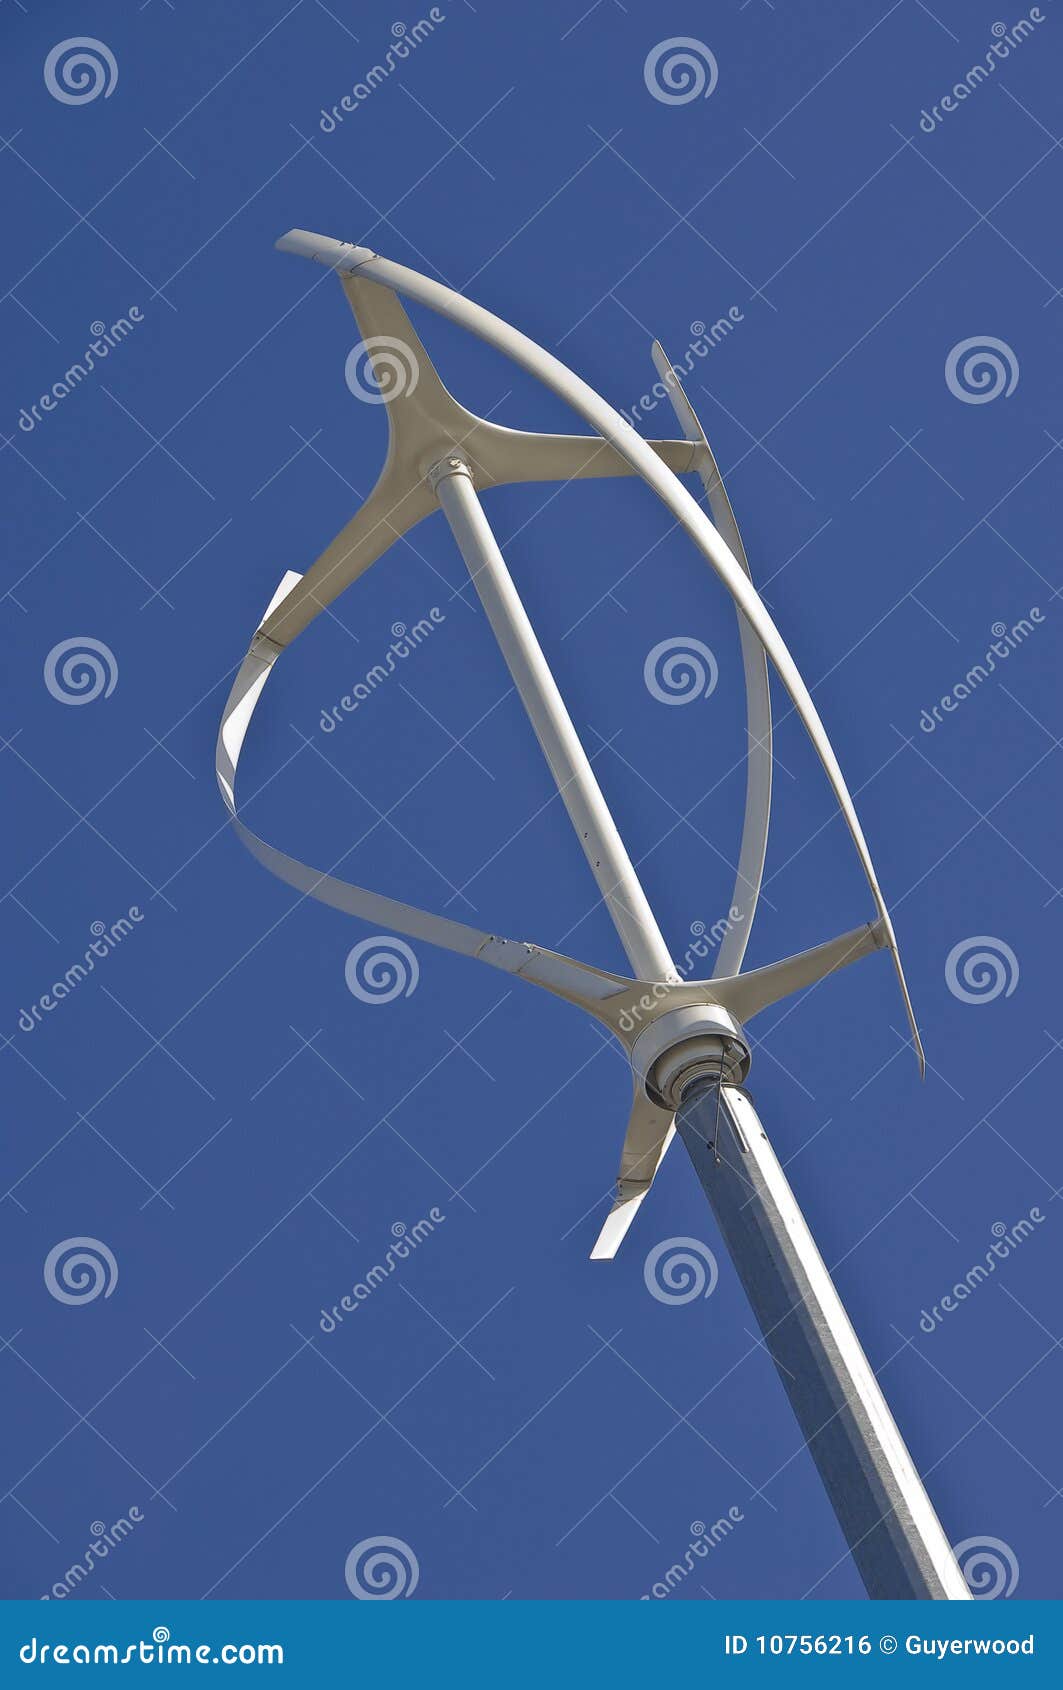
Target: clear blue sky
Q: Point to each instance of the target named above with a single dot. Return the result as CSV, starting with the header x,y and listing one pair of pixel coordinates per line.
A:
x,y
212,1103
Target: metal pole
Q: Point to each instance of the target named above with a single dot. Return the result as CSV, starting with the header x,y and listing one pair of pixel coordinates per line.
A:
x,y
888,1520
582,796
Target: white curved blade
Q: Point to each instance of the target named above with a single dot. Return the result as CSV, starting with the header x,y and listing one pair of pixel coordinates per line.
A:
x,y
247,689
649,1133
754,846
577,982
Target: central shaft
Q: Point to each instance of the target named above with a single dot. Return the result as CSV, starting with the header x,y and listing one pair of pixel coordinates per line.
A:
x,y
569,764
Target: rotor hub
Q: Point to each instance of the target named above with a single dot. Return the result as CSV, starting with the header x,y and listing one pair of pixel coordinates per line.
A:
x,y
701,1042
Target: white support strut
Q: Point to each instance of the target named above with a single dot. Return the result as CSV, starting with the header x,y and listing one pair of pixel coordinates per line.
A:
x,y
580,793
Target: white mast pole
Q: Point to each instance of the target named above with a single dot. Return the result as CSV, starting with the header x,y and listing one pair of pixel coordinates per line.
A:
x,y
889,1522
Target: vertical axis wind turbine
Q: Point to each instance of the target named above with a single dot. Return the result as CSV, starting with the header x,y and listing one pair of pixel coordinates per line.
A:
x,y
684,1038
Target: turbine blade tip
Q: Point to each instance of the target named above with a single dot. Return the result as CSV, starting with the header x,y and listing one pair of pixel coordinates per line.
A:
x,y
615,1228
603,1252
324,249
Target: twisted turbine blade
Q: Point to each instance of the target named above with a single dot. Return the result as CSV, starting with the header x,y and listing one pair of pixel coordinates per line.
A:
x,y
649,1133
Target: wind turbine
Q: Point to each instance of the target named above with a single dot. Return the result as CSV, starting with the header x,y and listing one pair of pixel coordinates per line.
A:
x,y
685,1038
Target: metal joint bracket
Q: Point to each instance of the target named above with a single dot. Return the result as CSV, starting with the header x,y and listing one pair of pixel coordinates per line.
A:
x,y
264,649
447,467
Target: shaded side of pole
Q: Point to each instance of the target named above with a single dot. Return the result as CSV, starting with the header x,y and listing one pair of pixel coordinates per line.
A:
x,y
895,1538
